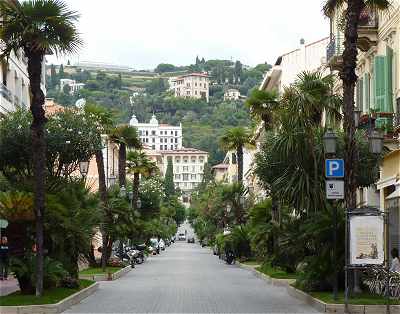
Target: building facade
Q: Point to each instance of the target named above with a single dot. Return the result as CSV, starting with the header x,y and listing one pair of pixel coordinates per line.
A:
x,y
158,136
307,57
188,168
194,85
14,85
72,84
232,94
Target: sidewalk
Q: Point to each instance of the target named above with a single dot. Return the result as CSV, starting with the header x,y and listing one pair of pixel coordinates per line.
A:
x,y
8,286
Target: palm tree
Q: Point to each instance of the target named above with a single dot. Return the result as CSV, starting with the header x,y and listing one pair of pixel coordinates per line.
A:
x,y
349,78
125,136
139,164
263,104
105,120
38,27
236,139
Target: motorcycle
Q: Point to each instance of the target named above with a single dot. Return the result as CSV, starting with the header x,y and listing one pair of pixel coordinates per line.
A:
x,y
230,258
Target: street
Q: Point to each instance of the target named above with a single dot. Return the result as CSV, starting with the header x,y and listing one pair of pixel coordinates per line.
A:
x,y
187,278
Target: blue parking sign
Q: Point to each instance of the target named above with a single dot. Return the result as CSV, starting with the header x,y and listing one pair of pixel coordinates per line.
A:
x,y
334,168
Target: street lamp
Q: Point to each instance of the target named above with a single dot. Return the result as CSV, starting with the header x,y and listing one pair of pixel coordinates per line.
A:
x,y
139,204
357,116
122,191
84,168
329,141
375,142
228,208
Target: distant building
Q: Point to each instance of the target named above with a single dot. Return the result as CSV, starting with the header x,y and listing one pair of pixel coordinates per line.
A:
x,y
193,85
14,85
188,166
158,136
73,85
220,172
232,94
90,65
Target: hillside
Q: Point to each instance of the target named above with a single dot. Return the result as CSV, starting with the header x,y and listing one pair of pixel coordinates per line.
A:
x,y
144,92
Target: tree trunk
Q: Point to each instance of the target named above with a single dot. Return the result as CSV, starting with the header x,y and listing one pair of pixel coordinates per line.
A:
x,y
122,165
240,163
135,189
104,201
349,78
35,60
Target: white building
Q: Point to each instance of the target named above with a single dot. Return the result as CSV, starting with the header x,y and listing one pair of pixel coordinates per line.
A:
x,y
14,85
73,85
232,94
193,85
188,168
158,136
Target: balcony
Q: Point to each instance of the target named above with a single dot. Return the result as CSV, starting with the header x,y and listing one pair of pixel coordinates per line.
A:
x,y
5,92
334,52
367,30
396,124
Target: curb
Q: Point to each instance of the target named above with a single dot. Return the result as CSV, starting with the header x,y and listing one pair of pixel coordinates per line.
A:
x,y
318,304
108,276
52,308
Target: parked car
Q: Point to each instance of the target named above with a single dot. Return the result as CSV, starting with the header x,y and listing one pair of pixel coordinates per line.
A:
x,y
162,244
155,245
181,237
190,239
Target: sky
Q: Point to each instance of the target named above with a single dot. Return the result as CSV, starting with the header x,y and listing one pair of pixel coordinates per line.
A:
x,y
144,33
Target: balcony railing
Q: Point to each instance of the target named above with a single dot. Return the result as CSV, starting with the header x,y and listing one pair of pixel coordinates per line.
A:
x,y
5,92
368,19
334,52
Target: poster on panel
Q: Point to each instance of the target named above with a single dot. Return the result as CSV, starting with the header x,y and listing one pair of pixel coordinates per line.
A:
x,y
367,240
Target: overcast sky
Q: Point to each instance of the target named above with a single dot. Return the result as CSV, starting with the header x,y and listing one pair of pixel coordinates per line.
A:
x,y
144,33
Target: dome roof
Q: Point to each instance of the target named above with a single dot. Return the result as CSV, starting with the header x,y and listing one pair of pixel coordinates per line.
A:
x,y
134,120
153,120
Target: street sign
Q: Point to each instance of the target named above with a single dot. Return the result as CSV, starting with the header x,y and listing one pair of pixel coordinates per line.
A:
x,y
334,168
334,189
3,223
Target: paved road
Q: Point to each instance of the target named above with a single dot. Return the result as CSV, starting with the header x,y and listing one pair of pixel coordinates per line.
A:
x,y
189,279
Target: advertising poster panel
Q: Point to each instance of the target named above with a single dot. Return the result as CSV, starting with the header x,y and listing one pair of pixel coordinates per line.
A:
x,y
367,240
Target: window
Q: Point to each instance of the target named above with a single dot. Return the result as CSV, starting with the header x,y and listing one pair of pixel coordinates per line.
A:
x,y
172,140
165,147
177,176
193,177
185,177
140,132
176,146
185,160
153,140
185,184
153,147
153,132
195,92
176,133
172,132
201,159
188,92
161,140
147,133
177,159
176,140
185,168
193,168
367,92
172,147
193,159
195,84
177,169
161,147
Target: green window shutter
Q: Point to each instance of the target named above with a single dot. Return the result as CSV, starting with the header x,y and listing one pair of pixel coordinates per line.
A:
x,y
389,80
359,94
366,95
380,83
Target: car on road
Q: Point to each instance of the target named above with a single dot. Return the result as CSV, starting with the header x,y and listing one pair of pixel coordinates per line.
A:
x,y
190,239
181,237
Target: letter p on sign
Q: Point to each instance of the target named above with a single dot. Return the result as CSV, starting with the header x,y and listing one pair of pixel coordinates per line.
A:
x,y
334,168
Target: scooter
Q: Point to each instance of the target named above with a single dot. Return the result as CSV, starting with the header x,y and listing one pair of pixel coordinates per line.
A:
x,y
230,258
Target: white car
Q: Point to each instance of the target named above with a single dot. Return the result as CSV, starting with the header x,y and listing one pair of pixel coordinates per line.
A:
x,y
181,237
161,243
155,245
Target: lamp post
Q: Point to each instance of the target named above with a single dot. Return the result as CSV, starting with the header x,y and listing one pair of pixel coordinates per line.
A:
x,y
329,141
84,168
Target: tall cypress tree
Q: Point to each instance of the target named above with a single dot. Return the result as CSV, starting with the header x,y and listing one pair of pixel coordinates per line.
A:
x,y
169,186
